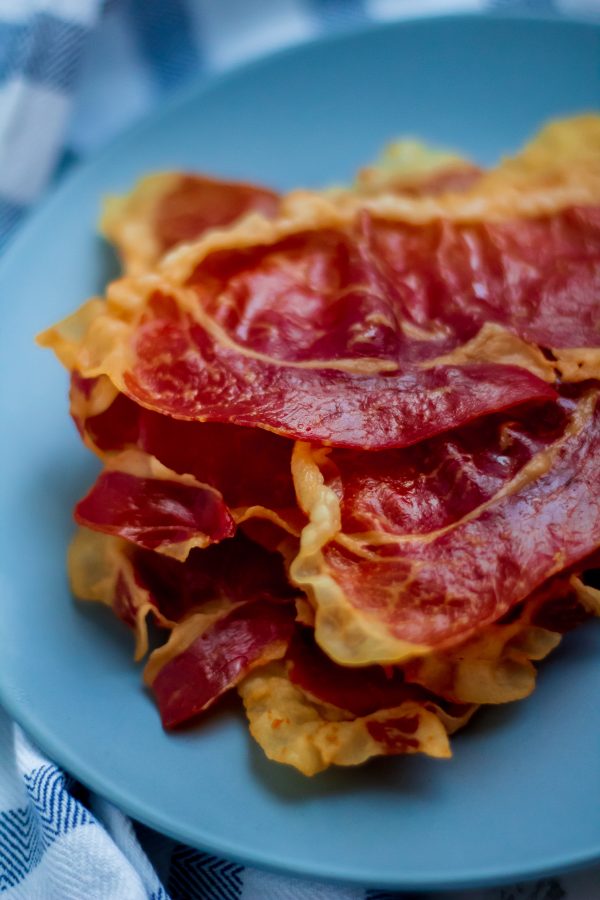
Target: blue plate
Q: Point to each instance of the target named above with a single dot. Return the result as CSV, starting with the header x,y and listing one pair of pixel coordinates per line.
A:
x,y
522,795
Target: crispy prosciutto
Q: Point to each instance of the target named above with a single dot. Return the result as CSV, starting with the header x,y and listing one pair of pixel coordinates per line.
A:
x,y
170,208
104,569
164,514
195,204
419,549
228,609
293,728
315,335
394,408
350,441
376,333
237,570
210,452
311,713
496,665
171,485
209,653
398,292
357,691
181,370
410,167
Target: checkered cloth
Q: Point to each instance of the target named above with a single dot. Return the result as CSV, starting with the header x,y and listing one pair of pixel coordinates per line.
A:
x,y
58,103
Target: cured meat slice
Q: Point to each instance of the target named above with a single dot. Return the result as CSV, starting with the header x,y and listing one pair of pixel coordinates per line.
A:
x,y
419,549
536,277
238,570
161,356
251,468
309,712
198,378
134,581
168,208
494,666
210,652
378,295
358,691
293,727
203,479
234,610
424,294
171,515
558,169
518,250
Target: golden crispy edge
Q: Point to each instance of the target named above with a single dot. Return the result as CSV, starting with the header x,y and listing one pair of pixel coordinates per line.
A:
x,y
95,562
293,729
127,221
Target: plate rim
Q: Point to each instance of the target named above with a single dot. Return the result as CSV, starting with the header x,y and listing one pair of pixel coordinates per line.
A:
x,y
50,743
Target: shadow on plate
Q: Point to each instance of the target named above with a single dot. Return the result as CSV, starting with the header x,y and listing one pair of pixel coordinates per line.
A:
x,y
111,639
408,775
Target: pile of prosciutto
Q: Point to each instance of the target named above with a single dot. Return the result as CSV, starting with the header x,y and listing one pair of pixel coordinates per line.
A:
x,y
350,441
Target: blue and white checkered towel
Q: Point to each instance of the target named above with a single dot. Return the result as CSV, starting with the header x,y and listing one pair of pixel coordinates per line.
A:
x,y
58,103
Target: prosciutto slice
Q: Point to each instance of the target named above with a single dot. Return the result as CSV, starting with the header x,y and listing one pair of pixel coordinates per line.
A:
x,y
164,514
249,467
172,485
168,208
167,361
417,550
209,653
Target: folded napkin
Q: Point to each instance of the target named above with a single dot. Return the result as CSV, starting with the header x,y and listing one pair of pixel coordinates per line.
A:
x,y
58,103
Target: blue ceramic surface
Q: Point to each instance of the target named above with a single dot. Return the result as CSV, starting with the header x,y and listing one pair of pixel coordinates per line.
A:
x,y
522,794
